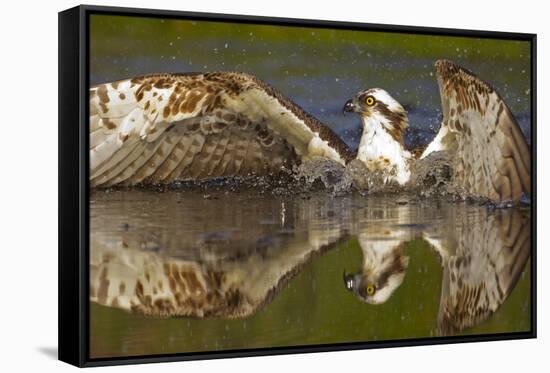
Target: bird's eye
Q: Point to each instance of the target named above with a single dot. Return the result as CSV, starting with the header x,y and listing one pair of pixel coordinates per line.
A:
x,y
369,100
371,289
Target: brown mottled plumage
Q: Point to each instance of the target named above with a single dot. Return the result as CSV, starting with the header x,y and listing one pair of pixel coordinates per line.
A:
x,y
481,266
482,253
125,277
492,157
165,127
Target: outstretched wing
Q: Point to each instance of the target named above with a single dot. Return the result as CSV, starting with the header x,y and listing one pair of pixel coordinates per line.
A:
x,y
124,276
492,158
482,266
148,283
161,128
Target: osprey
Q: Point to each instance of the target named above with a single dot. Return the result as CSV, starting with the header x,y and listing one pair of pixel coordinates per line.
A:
x,y
161,128
490,156
482,258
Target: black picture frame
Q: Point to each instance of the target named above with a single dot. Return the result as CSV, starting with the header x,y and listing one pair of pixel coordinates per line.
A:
x,y
74,186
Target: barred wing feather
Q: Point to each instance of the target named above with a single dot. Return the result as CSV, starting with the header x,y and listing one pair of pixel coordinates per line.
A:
x,y
484,264
160,128
491,155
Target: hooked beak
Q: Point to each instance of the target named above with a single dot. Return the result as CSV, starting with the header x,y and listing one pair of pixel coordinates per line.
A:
x,y
348,107
348,281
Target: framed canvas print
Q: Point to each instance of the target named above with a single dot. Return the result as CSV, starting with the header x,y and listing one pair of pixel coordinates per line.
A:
x,y
238,186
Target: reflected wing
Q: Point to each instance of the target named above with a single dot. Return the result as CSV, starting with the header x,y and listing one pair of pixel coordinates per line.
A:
x,y
147,283
492,156
161,128
482,270
124,276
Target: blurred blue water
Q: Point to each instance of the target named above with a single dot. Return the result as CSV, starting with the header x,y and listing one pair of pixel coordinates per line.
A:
x,y
320,77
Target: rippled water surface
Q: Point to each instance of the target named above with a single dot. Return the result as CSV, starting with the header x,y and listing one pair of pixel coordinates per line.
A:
x,y
295,270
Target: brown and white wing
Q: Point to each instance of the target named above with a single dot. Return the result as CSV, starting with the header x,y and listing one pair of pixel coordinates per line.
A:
x,y
492,159
160,128
489,255
125,276
145,282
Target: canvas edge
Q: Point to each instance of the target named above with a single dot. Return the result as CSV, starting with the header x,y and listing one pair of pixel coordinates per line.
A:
x,y
70,333
533,149
302,22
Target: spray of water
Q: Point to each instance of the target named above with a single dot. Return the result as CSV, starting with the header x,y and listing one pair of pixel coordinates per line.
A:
x,y
431,177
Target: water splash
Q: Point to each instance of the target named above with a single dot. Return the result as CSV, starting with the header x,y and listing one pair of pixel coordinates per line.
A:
x,y
431,177
321,173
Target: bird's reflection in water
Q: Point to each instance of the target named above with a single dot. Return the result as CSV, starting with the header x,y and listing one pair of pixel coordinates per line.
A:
x,y
229,255
381,236
229,261
482,254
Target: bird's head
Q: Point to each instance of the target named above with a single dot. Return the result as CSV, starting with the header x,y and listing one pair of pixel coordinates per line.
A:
x,y
378,281
377,108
